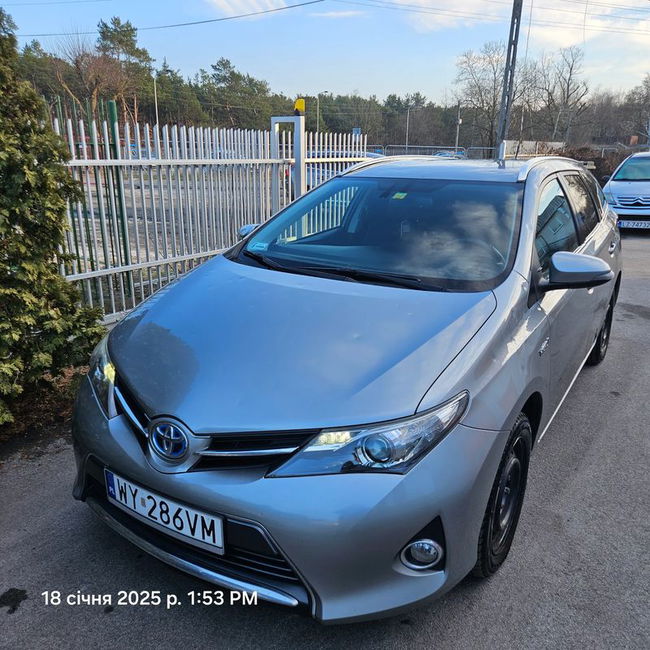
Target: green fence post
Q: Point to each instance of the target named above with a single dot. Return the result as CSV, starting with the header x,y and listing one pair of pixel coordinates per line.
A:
x,y
89,114
59,111
118,184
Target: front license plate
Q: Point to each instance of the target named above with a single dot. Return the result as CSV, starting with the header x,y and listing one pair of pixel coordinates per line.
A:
x,y
192,526
633,224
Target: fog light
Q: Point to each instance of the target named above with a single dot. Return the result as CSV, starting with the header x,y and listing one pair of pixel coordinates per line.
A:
x,y
421,554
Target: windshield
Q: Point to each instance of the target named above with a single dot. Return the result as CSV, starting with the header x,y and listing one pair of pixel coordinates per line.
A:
x,y
421,233
634,169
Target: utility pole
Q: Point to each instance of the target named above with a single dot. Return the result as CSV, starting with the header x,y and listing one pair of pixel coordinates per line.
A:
x,y
322,92
459,121
155,97
508,79
408,117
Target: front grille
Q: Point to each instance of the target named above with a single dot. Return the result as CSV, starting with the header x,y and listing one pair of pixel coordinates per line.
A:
x,y
251,449
249,553
634,201
251,441
224,450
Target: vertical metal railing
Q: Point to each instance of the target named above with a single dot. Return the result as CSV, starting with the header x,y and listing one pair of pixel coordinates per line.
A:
x,y
157,201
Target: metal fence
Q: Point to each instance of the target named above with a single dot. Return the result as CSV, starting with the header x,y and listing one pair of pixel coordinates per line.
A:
x,y
473,153
157,201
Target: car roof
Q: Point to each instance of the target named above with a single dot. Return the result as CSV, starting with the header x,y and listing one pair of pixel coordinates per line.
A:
x,y
441,168
640,154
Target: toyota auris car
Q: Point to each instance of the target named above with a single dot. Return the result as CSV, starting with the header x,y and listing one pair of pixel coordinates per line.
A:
x,y
338,413
628,191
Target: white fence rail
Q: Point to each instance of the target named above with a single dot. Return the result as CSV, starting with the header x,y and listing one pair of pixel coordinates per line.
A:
x,y
157,201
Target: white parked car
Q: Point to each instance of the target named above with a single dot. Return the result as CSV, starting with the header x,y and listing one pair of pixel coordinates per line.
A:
x,y
628,191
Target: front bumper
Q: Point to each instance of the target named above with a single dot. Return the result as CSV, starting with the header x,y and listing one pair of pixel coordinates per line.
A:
x,y
341,535
637,218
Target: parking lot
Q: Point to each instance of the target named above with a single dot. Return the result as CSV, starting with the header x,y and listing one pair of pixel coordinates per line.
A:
x,y
577,575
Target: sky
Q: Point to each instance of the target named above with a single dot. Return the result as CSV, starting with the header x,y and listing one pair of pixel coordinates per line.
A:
x,y
370,47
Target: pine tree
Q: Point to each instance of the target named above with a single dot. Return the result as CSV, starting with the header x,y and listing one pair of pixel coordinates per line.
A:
x,y
43,327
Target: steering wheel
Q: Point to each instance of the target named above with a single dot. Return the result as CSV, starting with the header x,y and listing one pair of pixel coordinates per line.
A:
x,y
501,260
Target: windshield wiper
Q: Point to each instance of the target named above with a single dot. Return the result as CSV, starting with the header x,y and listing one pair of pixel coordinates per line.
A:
x,y
346,273
266,261
381,277
270,263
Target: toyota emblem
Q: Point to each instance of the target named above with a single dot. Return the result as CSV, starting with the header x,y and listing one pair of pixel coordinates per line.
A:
x,y
168,440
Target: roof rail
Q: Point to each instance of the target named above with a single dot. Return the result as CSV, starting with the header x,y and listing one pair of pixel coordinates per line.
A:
x,y
363,164
533,162
378,161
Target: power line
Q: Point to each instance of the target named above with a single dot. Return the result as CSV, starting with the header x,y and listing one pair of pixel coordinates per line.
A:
x,y
443,11
384,4
194,22
419,9
590,3
56,2
581,12
608,5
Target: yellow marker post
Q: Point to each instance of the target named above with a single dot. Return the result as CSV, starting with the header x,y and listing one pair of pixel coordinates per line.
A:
x,y
299,106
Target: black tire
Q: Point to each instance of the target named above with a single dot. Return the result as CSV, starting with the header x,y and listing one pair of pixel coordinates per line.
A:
x,y
507,497
602,340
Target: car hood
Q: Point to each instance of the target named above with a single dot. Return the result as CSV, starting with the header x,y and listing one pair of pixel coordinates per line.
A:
x,y
628,188
233,347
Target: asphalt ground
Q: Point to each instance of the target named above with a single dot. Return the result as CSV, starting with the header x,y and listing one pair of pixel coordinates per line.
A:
x,y
577,575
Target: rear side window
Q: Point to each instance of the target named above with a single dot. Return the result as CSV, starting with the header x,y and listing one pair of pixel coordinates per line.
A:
x,y
586,211
556,229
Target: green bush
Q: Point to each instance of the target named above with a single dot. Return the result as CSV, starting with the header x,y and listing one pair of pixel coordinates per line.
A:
x,y
43,327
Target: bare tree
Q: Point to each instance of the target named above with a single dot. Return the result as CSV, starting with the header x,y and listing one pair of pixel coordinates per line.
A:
x,y
563,91
638,105
479,78
114,66
93,74
527,101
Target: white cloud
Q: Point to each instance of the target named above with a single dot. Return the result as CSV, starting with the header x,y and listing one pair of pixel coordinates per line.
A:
x,y
236,7
444,14
616,39
339,14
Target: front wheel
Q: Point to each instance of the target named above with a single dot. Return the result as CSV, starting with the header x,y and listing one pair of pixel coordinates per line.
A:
x,y
506,499
602,340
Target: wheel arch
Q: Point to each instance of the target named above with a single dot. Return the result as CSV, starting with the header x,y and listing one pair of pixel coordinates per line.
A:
x,y
531,403
617,286
533,408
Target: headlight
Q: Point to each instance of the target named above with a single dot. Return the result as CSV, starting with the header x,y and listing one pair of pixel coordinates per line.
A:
x,y
389,447
102,377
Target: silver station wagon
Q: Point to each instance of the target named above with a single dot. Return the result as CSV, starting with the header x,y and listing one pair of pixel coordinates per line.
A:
x,y
338,413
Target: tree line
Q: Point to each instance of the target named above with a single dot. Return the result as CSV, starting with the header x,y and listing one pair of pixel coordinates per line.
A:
x,y
553,101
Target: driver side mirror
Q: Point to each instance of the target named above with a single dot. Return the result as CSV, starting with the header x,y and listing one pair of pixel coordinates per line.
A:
x,y
605,179
246,230
576,271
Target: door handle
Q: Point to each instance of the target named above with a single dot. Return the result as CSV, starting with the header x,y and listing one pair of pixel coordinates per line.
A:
x,y
612,246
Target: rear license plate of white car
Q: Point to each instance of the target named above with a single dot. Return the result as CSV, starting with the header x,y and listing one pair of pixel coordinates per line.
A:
x,y
622,223
188,524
